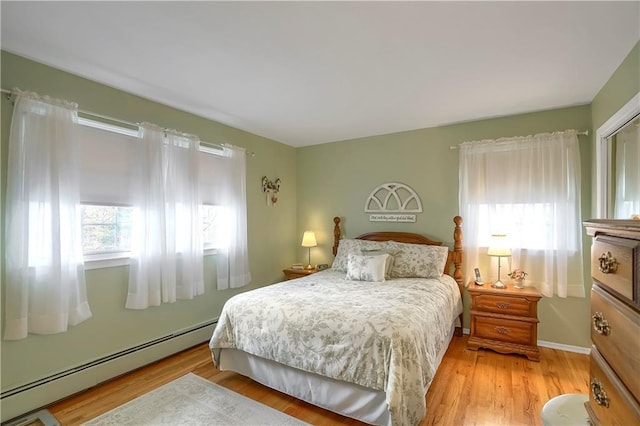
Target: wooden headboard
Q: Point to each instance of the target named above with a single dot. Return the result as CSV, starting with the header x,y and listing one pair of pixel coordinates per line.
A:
x,y
453,266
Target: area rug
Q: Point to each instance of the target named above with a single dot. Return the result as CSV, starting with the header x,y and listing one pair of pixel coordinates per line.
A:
x,y
192,400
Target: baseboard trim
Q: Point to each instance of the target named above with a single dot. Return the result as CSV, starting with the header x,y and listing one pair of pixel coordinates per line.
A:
x,y
40,393
563,347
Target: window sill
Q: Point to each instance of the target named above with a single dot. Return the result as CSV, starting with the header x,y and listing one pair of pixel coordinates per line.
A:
x,y
106,260
114,260
210,251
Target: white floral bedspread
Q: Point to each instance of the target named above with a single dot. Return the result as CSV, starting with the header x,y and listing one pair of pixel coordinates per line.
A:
x,y
384,336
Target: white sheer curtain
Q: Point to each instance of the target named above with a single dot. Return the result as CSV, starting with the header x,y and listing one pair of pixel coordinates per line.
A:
x,y
224,184
529,189
45,287
166,260
627,197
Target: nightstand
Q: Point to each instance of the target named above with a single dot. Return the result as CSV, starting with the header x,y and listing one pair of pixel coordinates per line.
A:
x,y
291,274
505,320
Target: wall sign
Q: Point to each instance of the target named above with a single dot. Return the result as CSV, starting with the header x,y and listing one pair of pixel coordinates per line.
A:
x,y
392,218
393,202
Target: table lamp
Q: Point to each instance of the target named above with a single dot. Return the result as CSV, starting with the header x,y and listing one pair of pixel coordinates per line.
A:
x,y
499,249
309,240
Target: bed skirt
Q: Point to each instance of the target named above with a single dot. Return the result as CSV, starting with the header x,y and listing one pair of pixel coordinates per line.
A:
x,y
348,399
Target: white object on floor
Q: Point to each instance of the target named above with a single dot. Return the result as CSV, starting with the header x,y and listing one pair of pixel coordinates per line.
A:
x,y
566,410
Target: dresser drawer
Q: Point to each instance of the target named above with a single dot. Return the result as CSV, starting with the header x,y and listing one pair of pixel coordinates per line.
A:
x,y
609,400
615,330
505,330
519,306
614,263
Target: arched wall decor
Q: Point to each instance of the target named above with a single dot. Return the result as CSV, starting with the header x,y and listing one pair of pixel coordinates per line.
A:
x,y
393,202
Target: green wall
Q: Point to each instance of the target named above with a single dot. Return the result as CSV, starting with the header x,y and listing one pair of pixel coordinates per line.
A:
x,y
271,230
335,180
622,86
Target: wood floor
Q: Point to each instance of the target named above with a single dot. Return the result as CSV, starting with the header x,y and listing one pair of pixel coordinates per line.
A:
x,y
470,388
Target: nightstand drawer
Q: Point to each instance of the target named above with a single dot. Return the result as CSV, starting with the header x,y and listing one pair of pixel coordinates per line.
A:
x,y
614,330
609,399
292,274
504,305
613,261
505,330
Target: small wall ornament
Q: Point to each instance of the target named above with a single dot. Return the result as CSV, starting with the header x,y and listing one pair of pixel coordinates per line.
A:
x,y
271,188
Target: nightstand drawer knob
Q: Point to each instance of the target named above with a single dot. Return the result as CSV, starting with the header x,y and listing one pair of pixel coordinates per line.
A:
x,y
607,264
598,393
502,305
502,330
601,325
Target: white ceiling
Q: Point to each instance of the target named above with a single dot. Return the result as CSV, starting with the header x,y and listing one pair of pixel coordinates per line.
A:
x,y
306,73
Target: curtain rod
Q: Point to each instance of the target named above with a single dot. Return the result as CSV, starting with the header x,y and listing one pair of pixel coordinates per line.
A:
x,y
10,93
581,133
93,114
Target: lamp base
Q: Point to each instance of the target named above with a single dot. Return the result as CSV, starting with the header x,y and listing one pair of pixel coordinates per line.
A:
x,y
309,267
499,284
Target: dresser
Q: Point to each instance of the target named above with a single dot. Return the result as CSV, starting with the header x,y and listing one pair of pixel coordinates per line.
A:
x,y
505,320
615,322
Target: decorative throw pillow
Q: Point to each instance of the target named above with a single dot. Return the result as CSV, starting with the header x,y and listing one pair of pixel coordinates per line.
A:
x,y
418,260
347,246
390,260
366,268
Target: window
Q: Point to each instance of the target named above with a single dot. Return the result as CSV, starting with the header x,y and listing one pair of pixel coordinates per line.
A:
x,y
66,207
527,188
107,179
213,226
530,226
106,159
108,170
106,229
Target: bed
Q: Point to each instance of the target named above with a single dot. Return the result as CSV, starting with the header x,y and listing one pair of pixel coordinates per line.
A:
x,y
363,338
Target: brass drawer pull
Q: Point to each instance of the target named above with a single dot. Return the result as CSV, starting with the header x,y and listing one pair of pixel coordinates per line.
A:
x,y
503,305
601,325
607,263
502,330
598,393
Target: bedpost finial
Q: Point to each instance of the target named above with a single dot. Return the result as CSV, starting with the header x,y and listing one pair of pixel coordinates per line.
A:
x,y
336,234
457,234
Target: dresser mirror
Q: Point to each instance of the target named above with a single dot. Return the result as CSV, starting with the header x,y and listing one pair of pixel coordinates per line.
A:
x,y
618,163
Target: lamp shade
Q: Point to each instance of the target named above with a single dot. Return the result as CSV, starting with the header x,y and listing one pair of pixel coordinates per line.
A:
x,y
309,239
499,246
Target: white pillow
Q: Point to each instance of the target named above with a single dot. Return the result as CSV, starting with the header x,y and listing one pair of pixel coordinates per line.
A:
x,y
347,246
366,268
390,260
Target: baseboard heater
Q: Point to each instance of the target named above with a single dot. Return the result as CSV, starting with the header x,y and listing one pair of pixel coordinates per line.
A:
x,y
39,393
